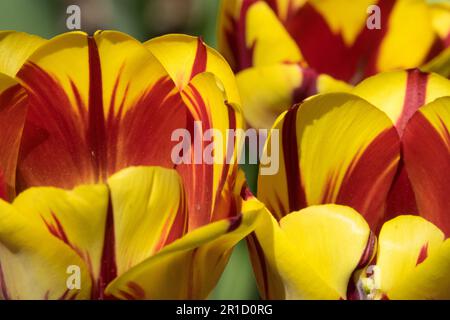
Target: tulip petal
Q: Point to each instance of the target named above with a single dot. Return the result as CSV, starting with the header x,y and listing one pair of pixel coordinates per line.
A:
x,y
189,268
426,146
93,116
335,148
13,108
413,259
15,48
267,91
77,218
184,57
33,264
113,228
410,31
400,94
208,175
150,212
313,251
251,35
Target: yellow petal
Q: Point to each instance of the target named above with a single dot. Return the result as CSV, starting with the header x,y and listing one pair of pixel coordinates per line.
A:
x,y
401,93
313,251
184,57
409,36
334,148
250,34
413,259
34,264
76,217
150,212
189,268
267,91
113,228
206,183
15,48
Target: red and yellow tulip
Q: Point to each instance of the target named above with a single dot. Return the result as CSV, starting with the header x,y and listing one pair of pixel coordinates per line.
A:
x,y
286,50
91,119
380,158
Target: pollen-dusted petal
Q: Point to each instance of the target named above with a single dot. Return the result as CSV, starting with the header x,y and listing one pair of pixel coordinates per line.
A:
x,y
426,148
190,267
334,148
36,266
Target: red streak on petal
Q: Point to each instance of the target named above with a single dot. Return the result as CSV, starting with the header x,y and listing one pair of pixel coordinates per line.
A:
x,y
108,268
137,291
366,184
96,134
237,38
423,254
296,194
201,59
416,87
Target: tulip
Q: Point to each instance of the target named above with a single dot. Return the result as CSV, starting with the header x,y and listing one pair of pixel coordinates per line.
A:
x,y
286,50
15,48
128,237
329,252
100,112
339,148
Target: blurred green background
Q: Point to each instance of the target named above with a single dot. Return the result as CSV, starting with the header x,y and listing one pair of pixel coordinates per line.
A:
x,y
143,19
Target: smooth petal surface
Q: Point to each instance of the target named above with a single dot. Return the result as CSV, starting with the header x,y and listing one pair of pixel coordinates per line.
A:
x,y
13,109
401,93
335,40
112,227
413,259
313,252
267,91
34,264
188,268
250,34
91,116
209,180
426,147
15,48
184,57
334,148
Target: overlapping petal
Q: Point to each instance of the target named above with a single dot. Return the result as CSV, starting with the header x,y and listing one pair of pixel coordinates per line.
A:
x,y
334,148
333,37
15,48
309,254
268,91
13,108
117,106
426,147
129,236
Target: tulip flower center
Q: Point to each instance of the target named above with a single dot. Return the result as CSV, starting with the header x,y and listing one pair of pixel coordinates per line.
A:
x,y
369,284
